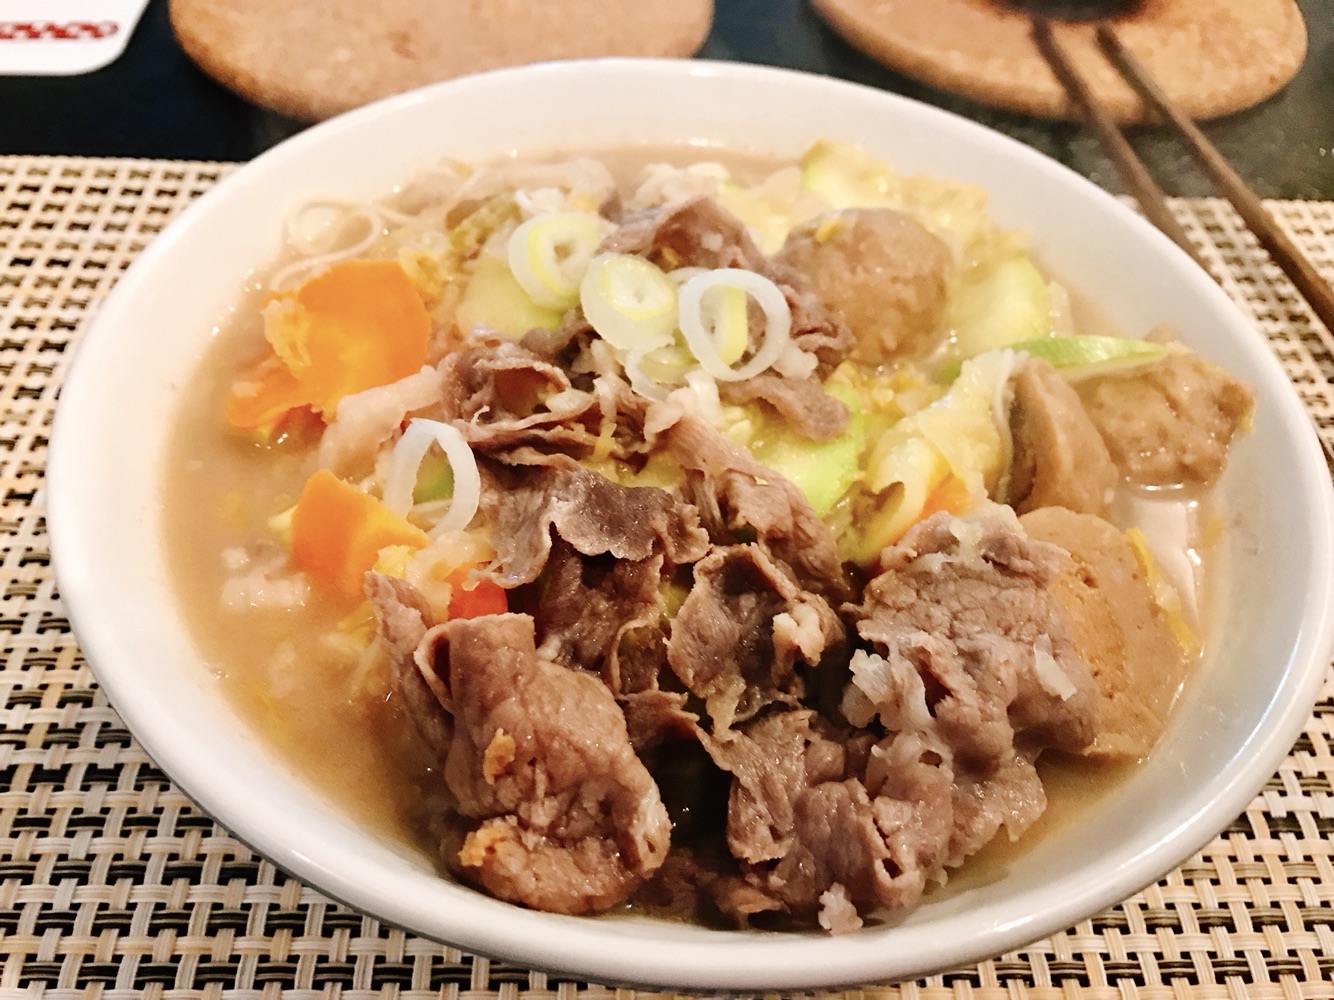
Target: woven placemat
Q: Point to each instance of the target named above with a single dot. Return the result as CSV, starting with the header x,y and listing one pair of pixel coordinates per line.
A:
x,y
113,884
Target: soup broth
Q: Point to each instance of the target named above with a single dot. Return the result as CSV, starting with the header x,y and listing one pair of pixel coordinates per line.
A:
x,y
303,662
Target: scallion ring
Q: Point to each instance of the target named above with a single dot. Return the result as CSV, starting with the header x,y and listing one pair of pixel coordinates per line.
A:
x,y
629,302
550,253
704,340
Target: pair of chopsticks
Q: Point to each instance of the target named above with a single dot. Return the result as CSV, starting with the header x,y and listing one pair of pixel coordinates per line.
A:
x,y
1146,191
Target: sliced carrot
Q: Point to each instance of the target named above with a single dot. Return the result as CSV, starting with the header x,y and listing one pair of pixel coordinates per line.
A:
x,y
337,532
354,326
472,599
951,495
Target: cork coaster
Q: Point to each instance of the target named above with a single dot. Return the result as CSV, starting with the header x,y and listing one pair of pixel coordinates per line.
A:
x,y
1212,57
311,59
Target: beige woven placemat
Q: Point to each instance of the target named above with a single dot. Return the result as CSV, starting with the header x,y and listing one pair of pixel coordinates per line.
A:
x,y
112,884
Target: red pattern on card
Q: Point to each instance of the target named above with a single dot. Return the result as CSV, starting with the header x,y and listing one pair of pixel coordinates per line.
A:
x,y
56,31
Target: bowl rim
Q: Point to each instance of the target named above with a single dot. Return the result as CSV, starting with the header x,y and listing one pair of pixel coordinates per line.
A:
x,y
574,946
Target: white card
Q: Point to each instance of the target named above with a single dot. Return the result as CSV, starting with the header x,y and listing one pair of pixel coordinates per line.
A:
x,y
64,37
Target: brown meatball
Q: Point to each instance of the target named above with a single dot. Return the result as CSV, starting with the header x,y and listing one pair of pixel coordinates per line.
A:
x,y
1171,424
882,273
1059,458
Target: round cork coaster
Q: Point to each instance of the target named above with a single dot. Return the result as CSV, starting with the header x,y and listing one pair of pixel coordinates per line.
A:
x,y
311,59
1212,57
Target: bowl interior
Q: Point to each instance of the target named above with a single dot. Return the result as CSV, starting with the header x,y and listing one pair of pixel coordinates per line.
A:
x,y
1232,727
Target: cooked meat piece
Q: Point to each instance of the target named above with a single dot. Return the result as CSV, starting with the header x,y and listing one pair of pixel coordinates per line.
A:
x,y
698,883
882,273
967,602
593,514
739,499
767,761
496,380
654,717
558,812
585,604
697,232
737,638
365,420
1059,456
514,405
804,822
1117,627
802,403
565,817
913,783
1010,798
640,660
403,623
1169,424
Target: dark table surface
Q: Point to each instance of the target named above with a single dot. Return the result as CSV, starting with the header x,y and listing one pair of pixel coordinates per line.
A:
x,y
153,102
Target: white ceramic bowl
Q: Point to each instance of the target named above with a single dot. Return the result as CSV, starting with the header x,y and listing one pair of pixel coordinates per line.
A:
x,y
1231,729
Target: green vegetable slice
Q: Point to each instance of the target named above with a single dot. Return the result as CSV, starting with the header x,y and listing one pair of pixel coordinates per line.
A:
x,y
1086,356
822,470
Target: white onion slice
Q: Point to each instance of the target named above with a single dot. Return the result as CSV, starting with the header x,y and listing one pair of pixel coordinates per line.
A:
x,y
406,460
700,339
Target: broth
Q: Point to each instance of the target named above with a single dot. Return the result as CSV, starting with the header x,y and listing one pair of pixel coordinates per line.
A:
x,y
354,739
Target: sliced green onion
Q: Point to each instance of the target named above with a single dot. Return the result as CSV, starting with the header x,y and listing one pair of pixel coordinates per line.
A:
x,y
1086,356
703,323
1080,356
629,302
550,253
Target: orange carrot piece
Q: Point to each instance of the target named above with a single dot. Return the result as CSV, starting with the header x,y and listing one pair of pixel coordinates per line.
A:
x,y
338,531
484,597
950,495
264,396
354,326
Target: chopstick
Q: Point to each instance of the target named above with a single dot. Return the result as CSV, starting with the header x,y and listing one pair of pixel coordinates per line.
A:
x,y
1135,175
1303,275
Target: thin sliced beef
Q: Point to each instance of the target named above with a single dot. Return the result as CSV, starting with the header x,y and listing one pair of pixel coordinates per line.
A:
x,y
404,626
742,630
1060,459
802,403
738,500
967,602
772,760
1169,424
503,398
592,514
822,821
366,420
972,672
654,717
563,815
586,604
